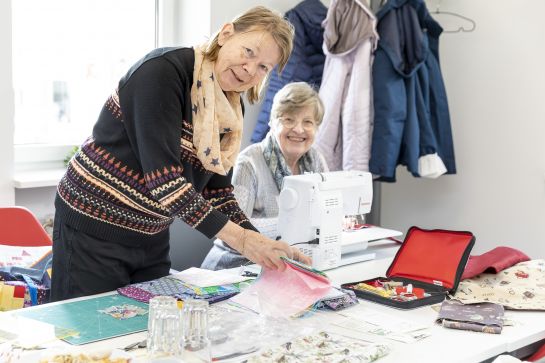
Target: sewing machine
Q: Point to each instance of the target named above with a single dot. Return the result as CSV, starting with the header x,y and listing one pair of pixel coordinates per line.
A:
x,y
317,213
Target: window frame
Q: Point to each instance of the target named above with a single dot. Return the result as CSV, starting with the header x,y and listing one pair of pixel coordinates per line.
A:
x,y
42,165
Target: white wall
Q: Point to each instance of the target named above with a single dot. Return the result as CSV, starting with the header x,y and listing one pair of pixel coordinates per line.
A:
x,y
38,200
6,108
187,21
495,82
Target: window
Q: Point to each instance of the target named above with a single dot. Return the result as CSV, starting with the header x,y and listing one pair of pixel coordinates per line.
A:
x,y
68,57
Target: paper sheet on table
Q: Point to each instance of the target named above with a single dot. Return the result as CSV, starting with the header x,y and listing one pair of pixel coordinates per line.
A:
x,y
206,278
386,322
387,326
284,294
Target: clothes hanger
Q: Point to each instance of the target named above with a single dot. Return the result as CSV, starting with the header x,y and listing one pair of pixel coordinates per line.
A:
x,y
456,15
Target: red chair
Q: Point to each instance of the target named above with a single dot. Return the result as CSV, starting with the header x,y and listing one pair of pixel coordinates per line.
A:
x,y
19,227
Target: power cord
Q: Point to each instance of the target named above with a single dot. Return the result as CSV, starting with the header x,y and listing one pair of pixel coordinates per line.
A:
x,y
314,241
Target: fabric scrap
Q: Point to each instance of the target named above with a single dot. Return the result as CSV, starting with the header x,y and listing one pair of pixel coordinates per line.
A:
x,y
125,311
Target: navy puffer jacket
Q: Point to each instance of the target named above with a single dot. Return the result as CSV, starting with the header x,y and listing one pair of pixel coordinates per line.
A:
x,y
306,63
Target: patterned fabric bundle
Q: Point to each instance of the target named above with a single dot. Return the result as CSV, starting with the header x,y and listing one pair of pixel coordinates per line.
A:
x,y
484,317
21,287
168,286
520,287
344,299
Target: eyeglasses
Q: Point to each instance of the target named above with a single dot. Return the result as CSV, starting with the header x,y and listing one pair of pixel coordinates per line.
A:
x,y
290,123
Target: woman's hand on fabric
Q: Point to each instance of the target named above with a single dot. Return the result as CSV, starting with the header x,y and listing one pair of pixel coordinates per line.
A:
x,y
300,256
267,252
259,248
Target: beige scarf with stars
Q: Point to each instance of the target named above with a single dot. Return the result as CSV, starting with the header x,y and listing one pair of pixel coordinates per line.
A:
x,y
214,113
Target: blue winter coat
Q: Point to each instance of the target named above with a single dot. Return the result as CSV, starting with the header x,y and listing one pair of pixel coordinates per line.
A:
x,y
306,63
411,110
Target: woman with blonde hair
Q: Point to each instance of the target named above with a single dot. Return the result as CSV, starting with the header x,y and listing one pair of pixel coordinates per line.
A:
x,y
296,114
163,147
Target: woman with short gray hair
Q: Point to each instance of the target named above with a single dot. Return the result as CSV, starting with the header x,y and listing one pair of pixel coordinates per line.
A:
x,y
296,114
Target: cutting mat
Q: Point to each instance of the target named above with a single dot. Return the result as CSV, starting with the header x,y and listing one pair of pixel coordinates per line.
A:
x,y
80,322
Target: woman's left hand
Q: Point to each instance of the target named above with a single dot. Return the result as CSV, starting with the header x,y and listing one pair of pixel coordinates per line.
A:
x,y
259,248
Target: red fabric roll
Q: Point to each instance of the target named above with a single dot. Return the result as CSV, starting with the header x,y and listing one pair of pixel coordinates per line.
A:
x,y
493,261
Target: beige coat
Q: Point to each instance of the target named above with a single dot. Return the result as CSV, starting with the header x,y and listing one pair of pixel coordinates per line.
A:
x,y
350,39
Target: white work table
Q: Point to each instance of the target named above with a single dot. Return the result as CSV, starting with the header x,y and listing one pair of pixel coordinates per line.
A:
x,y
444,345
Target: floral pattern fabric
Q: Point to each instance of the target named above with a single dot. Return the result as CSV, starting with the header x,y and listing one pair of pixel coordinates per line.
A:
x,y
322,347
123,312
519,287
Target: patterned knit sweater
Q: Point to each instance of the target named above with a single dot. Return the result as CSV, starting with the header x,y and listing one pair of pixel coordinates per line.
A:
x,y
138,170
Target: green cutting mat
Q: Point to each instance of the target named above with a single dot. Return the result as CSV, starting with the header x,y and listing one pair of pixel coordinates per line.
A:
x,y
84,318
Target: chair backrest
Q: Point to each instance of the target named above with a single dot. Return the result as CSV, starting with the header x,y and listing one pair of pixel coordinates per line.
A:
x,y
19,227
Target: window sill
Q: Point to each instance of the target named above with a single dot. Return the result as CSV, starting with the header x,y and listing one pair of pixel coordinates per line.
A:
x,y
38,178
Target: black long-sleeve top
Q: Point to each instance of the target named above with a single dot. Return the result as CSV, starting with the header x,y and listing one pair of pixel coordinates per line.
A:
x,y
139,170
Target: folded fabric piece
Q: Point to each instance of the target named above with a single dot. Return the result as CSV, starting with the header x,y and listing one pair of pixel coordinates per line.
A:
x,y
169,286
322,347
283,294
21,294
337,299
483,317
519,287
495,260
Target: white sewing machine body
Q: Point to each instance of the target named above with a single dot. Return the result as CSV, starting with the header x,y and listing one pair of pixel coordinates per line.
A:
x,y
314,207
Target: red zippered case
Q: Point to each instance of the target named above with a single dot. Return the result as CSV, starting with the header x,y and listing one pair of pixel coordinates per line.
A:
x,y
433,260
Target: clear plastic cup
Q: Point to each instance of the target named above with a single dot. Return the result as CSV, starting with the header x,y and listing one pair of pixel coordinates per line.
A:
x,y
164,327
195,341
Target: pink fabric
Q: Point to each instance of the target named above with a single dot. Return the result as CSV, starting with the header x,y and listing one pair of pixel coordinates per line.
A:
x,y
284,294
493,261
